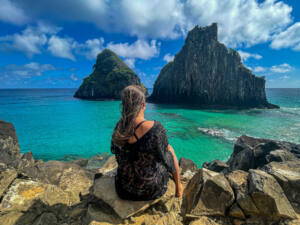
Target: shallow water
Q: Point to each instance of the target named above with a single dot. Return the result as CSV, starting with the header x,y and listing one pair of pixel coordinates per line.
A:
x,y
53,124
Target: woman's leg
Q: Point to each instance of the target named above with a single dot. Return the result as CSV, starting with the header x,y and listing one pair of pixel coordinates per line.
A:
x,y
176,175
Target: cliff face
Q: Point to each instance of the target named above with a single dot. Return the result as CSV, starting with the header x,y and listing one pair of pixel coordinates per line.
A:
x,y
109,77
205,73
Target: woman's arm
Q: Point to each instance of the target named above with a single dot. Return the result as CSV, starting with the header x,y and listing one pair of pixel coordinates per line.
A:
x,y
176,175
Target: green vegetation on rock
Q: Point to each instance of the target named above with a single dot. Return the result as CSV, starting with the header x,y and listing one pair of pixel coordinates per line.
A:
x,y
109,77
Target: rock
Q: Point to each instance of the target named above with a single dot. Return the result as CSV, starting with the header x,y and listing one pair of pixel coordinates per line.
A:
x,y
6,178
236,212
216,196
97,161
68,176
102,213
268,196
9,145
187,164
187,176
104,190
110,167
238,180
10,218
109,77
204,220
207,193
216,165
27,160
253,153
23,193
288,176
46,219
80,162
205,73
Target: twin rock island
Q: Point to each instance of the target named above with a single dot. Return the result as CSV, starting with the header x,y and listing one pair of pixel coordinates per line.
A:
x,y
203,73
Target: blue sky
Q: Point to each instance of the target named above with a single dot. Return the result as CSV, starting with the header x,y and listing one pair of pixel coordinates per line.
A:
x,y
53,44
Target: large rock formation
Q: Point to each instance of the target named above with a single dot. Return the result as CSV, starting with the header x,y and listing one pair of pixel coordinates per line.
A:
x,y
109,77
206,74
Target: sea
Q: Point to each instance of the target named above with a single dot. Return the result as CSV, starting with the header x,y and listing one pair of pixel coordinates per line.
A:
x,y
55,126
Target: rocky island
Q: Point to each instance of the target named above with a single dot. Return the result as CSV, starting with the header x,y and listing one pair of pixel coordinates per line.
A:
x,y
259,184
206,74
109,77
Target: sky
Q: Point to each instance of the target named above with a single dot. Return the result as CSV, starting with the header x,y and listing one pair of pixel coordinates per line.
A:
x,y
54,44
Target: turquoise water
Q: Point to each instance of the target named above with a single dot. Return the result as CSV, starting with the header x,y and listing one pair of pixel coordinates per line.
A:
x,y
53,125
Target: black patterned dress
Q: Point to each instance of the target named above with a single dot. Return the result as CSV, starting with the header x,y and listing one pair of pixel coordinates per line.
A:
x,y
144,166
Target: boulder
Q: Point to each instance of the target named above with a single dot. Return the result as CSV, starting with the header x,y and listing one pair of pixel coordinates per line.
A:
x,y
288,176
6,178
80,162
253,153
9,145
98,160
10,218
216,165
207,193
109,167
68,176
46,219
22,194
236,212
109,77
104,189
269,197
187,164
239,182
204,220
207,74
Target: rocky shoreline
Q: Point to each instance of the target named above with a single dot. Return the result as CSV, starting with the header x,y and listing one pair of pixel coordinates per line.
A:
x,y
259,184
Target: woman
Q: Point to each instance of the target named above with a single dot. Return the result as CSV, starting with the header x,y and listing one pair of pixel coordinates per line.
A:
x,y
142,151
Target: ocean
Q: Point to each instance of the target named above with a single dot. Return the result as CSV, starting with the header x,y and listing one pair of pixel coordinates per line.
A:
x,y
54,125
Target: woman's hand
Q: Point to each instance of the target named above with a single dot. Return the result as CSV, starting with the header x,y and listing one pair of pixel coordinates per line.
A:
x,y
179,190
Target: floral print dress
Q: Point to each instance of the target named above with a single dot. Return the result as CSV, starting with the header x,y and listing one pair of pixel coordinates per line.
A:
x,y
144,166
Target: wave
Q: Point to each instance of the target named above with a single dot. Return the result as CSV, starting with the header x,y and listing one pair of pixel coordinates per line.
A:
x,y
221,133
290,110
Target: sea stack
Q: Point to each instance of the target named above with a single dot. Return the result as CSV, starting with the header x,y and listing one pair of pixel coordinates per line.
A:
x,y
205,73
109,77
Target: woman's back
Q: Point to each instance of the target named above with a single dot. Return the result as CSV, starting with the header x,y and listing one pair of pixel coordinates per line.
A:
x,y
143,165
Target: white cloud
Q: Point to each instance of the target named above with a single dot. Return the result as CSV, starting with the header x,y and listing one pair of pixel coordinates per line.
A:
x,y
140,49
289,38
10,12
259,69
30,41
26,71
246,55
73,77
283,68
130,62
168,57
91,48
240,22
285,77
61,47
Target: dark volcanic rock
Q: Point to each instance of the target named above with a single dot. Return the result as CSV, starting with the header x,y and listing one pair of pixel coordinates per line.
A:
x,y
216,165
187,164
252,153
206,74
109,77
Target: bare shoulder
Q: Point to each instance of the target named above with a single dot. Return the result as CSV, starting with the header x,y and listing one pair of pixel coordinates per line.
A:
x,y
147,125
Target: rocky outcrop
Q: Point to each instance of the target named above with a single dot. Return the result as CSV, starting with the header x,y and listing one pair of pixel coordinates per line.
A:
x,y
81,192
109,77
206,74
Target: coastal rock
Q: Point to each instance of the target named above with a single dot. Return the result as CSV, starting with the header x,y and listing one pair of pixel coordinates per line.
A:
x,y
207,193
288,176
269,197
68,176
22,194
109,168
252,153
215,165
9,145
10,218
97,161
109,77
46,219
236,212
187,164
6,178
104,189
206,74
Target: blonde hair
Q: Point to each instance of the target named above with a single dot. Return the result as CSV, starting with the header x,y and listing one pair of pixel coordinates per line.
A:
x,y
132,98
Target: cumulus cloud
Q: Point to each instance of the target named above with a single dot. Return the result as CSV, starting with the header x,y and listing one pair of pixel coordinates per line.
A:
x,y
289,38
283,68
240,22
73,77
61,47
130,62
140,49
11,13
91,48
246,55
25,71
168,57
259,69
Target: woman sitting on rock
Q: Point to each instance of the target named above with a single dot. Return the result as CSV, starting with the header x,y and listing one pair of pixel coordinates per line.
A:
x,y
143,153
